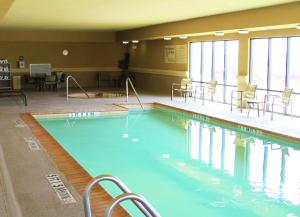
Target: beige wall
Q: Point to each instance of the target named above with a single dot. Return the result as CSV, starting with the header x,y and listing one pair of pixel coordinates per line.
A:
x,y
150,54
83,61
153,83
80,54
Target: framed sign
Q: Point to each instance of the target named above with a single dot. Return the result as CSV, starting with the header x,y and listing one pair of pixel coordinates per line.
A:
x,y
176,54
170,54
181,54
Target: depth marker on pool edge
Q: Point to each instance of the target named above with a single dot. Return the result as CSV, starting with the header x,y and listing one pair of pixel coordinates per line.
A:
x,y
20,123
61,190
32,143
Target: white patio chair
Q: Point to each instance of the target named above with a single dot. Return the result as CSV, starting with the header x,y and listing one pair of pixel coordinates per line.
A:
x,y
185,88
284,100
243,96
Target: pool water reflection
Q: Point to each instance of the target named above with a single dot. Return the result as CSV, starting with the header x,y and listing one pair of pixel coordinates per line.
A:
x,y
186,166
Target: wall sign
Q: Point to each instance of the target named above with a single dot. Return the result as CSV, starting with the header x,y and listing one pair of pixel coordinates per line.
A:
x,y
170,54
176,54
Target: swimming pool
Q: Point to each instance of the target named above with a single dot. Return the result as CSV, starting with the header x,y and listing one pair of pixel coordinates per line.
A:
x,y
184,164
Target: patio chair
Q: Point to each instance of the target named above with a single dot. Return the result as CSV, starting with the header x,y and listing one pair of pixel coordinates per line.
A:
x,y
185,88
211,89
243,96
51,82
202,91
284,100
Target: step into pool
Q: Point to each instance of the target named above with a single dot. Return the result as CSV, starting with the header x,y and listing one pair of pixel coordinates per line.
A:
x,y
184,164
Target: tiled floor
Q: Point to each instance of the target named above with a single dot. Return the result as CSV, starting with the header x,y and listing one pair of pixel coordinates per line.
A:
x,y
28,169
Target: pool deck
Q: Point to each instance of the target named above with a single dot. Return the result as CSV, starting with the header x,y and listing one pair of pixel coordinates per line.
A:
x,y
24,189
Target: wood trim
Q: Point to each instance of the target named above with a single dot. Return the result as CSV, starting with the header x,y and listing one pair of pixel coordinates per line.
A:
x,y
78,69
75,174
113,69
159,71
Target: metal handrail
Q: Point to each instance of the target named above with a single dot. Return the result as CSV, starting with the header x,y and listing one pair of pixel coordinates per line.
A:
x,y
128,80
76,82
122,187
133,197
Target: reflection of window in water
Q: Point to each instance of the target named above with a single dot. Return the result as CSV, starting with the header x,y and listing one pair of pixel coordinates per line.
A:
x,y
270,168
195,134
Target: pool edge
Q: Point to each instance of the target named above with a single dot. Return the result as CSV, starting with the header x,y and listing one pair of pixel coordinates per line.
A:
x,y
235,124
73,171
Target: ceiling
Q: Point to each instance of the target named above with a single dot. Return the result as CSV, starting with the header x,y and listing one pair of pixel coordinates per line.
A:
x,y
115,15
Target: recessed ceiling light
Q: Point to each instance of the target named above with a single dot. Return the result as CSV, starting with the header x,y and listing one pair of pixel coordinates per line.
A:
x,y
219,33
135,41
298,27
167,38
125,42
243,31
183,37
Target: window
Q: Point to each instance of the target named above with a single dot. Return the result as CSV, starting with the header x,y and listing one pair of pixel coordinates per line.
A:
x,y
232,57
215,60
259,63
277,70
195,61
294,64
219,62
207,62
274,65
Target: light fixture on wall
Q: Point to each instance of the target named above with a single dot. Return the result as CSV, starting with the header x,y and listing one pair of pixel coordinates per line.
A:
x,y
125,42
65,52
183,37
219,33
167,38
243,31
298,26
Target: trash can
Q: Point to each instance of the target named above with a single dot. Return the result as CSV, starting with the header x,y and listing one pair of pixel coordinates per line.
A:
x,y
17,82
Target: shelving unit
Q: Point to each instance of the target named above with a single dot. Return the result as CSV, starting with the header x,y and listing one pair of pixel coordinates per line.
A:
x,y
5,75
6,84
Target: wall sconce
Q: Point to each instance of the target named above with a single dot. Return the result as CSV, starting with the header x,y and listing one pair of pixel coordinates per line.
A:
x,y
65,52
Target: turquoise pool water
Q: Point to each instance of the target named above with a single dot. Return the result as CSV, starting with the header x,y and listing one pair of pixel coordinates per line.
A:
x,y
186,166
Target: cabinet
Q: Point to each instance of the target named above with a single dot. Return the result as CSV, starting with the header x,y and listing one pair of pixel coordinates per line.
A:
x,y
5,75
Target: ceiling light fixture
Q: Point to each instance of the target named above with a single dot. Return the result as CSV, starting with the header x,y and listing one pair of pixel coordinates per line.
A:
x,y
125,42
167,38
183,37
135,41
219,33
243,31
298,26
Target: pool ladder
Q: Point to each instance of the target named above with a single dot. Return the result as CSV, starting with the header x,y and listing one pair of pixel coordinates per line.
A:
x,y
78,85
144,206
128,81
